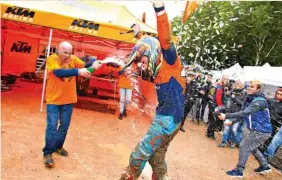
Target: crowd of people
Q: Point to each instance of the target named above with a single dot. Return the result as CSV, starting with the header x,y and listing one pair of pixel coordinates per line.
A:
x,y
157,60
240,105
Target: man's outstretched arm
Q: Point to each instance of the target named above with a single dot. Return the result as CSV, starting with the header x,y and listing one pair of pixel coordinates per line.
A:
x,y
164,33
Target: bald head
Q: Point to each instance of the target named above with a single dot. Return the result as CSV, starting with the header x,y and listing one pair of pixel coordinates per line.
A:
x,y
225,79
65,45
65,50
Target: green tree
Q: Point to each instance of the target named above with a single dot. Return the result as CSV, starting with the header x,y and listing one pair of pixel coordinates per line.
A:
x,y
220,34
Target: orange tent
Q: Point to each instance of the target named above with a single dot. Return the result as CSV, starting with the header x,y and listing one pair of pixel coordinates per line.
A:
x,y
30,28
91,26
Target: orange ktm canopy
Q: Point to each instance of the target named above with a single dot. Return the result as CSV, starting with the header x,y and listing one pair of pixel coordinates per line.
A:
x,y
91,18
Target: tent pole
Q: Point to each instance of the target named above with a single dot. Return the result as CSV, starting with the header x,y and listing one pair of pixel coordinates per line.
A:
x,y
45,71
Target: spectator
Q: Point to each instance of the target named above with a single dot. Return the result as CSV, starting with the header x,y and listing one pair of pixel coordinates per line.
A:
x,y
237,99
256,115
190,93
218,98
275,108
205,98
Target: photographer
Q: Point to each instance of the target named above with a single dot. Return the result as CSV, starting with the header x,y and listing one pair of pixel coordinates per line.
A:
x,y
190,95
205,98
234,104
199,93
218,102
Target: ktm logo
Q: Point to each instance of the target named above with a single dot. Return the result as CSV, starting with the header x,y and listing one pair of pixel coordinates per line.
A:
x,y
85,24
20,11
21,47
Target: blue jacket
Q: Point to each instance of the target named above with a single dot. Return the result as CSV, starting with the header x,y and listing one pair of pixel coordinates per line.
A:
x,y
255,113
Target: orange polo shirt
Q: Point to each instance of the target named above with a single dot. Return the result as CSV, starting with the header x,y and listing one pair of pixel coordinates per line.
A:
x,y
61,90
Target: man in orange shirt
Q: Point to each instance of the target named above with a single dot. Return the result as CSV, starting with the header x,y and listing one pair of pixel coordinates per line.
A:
x,y
61,93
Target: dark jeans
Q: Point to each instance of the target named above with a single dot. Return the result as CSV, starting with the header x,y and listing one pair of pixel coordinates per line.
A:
x,y
203,107
55,137
211,120
188,106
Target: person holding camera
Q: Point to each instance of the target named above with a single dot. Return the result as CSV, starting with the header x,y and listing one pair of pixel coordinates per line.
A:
x,y
205,98
218,101
234,104
190,93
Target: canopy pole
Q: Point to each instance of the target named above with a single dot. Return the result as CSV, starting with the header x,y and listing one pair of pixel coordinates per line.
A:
x,y
45,71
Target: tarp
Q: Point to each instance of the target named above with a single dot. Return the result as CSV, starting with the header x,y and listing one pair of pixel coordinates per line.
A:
x,y
85,17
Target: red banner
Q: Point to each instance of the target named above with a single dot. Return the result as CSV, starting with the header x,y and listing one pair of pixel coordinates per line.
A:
x,y
20,53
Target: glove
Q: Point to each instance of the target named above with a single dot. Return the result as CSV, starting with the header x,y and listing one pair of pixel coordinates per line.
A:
x,y
121,72
158,3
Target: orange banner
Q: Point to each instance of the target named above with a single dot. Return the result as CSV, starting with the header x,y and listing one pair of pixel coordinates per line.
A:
x,y
20,53
190,8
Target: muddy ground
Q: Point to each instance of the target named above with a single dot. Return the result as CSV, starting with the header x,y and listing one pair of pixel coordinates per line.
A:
x,y
99,144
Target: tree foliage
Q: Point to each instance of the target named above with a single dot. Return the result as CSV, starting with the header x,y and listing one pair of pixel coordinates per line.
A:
x,y
220,34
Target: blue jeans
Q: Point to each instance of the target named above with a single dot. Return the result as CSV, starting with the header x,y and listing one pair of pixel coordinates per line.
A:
x,y
153,148
234,133
55,137
225,136
275,143
238,136
125,98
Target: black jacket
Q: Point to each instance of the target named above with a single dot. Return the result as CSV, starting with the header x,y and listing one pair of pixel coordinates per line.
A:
x,y
238,100
275,109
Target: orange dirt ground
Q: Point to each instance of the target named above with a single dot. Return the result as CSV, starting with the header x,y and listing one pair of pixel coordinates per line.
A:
x,y
99,145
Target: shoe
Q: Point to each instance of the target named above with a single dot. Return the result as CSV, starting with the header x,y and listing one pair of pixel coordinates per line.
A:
x,y
232,145
221,145
62,152
262,170
48,160
235,173
120,116
182,129
124,113
210,136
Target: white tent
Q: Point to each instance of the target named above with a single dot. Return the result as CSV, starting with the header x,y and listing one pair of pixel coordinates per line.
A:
x,y
270,77
235,72
267,75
